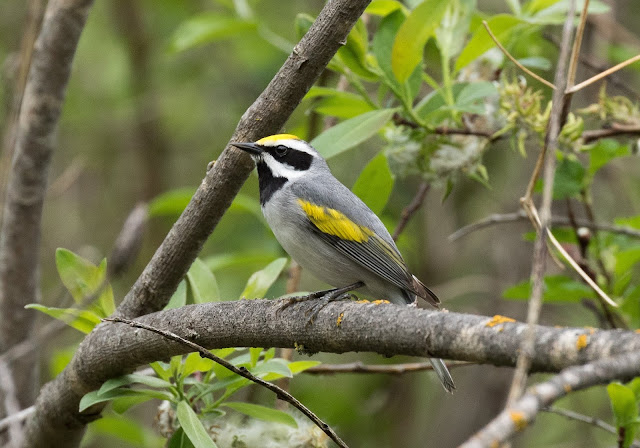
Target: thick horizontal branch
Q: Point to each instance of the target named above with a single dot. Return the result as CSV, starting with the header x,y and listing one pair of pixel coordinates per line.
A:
x,y
340,327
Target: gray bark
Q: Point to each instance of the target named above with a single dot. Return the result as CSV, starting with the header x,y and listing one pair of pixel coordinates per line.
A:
x,y
20,237
114,349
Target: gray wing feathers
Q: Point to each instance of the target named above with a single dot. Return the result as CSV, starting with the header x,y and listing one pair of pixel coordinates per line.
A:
x,y
379,254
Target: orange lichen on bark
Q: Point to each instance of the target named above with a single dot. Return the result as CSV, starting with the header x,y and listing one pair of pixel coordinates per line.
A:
x,y
340,318
582,342
519,420
498,319
378,302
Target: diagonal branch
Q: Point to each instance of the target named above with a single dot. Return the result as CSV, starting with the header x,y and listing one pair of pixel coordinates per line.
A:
x,y
34,143
560,103
524,411
56,419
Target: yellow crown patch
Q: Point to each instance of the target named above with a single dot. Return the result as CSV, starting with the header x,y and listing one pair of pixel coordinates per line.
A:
x,y
275,138
332,222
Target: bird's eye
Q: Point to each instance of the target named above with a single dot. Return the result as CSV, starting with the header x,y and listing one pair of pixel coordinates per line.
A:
x,y
281,150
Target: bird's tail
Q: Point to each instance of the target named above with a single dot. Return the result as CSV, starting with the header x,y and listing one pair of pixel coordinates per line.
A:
x,y
443,374
424,292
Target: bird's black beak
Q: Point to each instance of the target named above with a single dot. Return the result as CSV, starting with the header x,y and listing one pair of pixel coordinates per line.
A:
x,y
251,148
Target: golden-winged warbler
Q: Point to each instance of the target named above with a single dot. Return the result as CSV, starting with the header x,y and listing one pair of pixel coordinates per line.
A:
x,y
329,231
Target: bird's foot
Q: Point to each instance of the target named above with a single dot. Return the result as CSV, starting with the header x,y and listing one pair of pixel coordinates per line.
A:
x,y
320,299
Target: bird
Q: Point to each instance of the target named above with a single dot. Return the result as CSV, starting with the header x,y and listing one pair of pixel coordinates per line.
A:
x,y
329,231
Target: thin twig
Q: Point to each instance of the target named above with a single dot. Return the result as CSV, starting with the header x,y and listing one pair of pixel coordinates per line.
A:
x,y
11,404
388,369
592,64
540,250
586,419
514,60
616,129
506,218
410,209
18,417
603,295
577,43
242,371
604,74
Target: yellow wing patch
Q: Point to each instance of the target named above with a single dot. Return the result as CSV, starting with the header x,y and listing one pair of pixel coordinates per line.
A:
x,y
275,138
333,222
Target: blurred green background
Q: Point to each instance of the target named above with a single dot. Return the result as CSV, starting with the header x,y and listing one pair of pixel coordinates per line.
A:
x,y
142,118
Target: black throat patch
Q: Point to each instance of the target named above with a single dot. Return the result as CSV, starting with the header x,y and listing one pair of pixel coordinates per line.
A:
x,y
268,183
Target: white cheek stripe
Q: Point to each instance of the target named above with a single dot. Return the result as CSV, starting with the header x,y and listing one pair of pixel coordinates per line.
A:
x,y
281,169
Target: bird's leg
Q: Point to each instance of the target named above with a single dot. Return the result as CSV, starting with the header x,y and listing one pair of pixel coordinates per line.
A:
x,y
321,299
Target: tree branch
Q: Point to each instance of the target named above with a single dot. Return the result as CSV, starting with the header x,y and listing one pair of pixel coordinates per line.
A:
x,y
505,218
34,142
385,328
56,419
559,110
524,411
243,372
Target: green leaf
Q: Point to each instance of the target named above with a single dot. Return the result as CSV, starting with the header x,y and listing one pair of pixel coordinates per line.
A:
x,y
375,183
82,320
125,380
556,13
351,132
354,53
301,366
277,366
557,288
626,259
262,413
126,429
260,282
160,370
471,97
196,363
345,107
502,25
452,33
603,152
634,385
383,8
202,283
382,49
60,359
171,203
93,397
83,279
434,105
193,427
412,36
535,6
179,298
625,410
205,28
254,353
180,440
123,404
569,180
